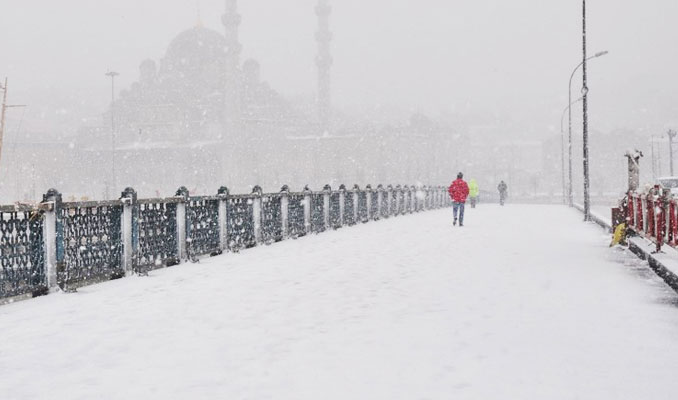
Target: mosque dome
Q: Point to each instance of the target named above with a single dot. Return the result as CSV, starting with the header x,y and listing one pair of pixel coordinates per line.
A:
x,y
193,51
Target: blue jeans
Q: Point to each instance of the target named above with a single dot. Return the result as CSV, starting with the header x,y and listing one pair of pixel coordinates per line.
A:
x,y
458,207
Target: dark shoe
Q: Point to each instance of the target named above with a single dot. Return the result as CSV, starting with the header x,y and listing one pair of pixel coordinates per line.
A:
x,y
455,222
461,224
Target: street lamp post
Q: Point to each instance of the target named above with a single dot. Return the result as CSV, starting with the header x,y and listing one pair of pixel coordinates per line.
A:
x,y
569,135
654,160
659,159
562,148
672,135
585,140
112,75
3,110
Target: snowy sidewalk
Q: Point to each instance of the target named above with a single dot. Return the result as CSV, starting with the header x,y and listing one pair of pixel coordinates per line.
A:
x,y
524,302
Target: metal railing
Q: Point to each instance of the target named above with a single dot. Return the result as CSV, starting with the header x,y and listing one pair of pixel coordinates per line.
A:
x,y
654,215
73,244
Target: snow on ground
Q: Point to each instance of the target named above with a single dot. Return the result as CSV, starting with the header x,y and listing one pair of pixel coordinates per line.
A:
x,y
524,302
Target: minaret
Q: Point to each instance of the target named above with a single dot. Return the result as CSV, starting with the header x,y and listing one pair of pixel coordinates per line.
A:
x,y
324,61
231,21
198,21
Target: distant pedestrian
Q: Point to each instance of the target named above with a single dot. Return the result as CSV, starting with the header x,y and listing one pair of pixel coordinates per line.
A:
x,y
503,192
459,192
474,191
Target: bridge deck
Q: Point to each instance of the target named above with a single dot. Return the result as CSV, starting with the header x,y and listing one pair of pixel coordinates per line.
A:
x,y
523,302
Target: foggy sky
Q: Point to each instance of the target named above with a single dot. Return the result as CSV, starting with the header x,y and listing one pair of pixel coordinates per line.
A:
x,y
510,58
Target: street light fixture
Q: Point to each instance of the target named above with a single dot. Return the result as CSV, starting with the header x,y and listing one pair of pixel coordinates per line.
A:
x,y
112,75
569,139
569,136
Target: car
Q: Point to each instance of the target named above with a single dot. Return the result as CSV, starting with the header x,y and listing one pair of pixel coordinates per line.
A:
x,y
669,182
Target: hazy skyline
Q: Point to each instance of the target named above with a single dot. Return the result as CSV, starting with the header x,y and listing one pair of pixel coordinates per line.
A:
x,y
509,58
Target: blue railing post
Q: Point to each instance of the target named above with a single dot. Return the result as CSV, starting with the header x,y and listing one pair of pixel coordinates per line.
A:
x,y
222,193
53,235
399,200
182,226
130,230
380,200
356,203
256,210
342,203
368,199
284,206
307,209
327,192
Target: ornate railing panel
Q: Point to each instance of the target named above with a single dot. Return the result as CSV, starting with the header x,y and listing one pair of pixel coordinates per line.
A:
x,y
362,206
271,218
296,218
317,212
22,262
349,209
202,226
412,200
401,202
240,222
385,204
89,242
335,210
157,235
92,242
374,206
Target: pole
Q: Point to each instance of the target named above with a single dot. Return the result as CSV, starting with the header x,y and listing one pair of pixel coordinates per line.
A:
x,y
654,160
112,75
585,90
570,200
2,114
659,159
562,160
569,136
562,152
672,135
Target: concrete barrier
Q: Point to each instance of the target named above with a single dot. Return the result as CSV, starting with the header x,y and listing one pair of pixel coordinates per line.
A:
x,y
664,263
605,223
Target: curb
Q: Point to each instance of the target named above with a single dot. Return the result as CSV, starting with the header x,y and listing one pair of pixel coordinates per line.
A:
x,y
643,249
595,218
640,247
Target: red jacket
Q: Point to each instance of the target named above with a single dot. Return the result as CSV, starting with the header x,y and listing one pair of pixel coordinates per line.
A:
x,y
458,191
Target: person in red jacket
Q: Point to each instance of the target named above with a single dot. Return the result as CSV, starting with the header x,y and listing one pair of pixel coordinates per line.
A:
x,y
459,192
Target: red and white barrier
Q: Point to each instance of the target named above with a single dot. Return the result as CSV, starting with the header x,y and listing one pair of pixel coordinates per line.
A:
x,y
654,216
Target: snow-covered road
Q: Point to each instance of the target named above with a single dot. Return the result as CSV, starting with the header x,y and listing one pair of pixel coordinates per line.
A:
x,y
524,302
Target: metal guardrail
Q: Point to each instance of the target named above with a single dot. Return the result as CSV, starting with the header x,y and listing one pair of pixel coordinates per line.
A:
x,y
22,262
73,244
653,215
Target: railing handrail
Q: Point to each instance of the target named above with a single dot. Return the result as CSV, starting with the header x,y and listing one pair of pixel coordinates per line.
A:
x,y
652,215
69,244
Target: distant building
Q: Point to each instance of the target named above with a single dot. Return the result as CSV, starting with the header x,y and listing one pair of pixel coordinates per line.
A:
x,y
201,117
198,106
